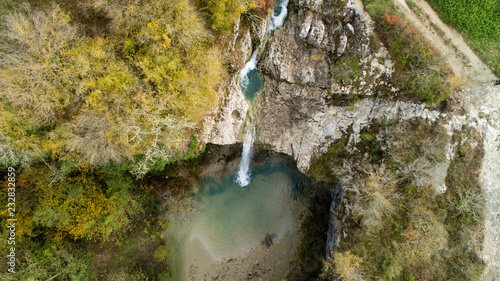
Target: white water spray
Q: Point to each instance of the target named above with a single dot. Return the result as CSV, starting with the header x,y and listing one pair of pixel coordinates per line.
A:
x,y
244,172
249,66
277,21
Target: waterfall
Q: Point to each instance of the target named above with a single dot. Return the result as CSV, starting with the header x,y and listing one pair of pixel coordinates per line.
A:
x,y
278,17
244,173
251,65
249,83
276,21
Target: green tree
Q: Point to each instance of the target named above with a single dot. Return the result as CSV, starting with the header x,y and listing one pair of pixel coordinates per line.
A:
x,y
51,262
224,13
84,203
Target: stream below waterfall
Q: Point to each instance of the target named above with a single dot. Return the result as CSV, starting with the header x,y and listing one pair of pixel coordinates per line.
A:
x,y
230,222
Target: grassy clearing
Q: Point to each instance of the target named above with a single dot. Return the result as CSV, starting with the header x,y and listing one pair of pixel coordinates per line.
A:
x,y
478,22
397,226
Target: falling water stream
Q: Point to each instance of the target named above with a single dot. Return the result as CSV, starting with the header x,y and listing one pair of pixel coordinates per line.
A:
x,y
251,83
243,176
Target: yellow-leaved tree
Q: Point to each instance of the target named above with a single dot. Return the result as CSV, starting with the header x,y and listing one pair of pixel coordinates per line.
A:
x,y
135,95
224,13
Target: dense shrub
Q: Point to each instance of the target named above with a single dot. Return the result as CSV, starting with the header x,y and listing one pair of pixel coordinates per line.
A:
x,y
51,262
347,266
394,225
83,203
371,191
224,13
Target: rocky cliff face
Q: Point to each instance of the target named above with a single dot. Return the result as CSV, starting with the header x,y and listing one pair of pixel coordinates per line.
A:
x,y
297,113
310,42
320,58
310,66
225,124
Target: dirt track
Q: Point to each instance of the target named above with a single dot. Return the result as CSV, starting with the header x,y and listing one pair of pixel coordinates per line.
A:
x,y
459,56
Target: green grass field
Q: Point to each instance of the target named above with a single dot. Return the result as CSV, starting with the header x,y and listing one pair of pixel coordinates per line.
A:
x,y
479,22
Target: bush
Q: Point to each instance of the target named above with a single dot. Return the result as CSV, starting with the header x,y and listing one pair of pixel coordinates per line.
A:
x,y
423,236
133,96
347,265
464,198
372,193
407,275
36,66
376,8
225,13
419,68
83,203
46,262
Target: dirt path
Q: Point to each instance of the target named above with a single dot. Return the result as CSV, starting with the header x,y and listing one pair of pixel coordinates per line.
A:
x,y
459,56
484,100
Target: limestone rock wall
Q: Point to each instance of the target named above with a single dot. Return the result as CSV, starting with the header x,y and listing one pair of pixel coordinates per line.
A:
x,y
225,124
294,113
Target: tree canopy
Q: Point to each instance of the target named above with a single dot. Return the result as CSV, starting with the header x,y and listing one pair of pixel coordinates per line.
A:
x,y
134,94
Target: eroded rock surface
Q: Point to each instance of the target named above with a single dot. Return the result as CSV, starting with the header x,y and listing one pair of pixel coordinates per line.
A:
x,y
298,112
295,113
225,124
296,120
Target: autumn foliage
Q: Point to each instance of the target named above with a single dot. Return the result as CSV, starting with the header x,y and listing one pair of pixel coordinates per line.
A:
x,y
392,19
267,4
85,112
225,13
347,265
420,70
134,95
72,104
